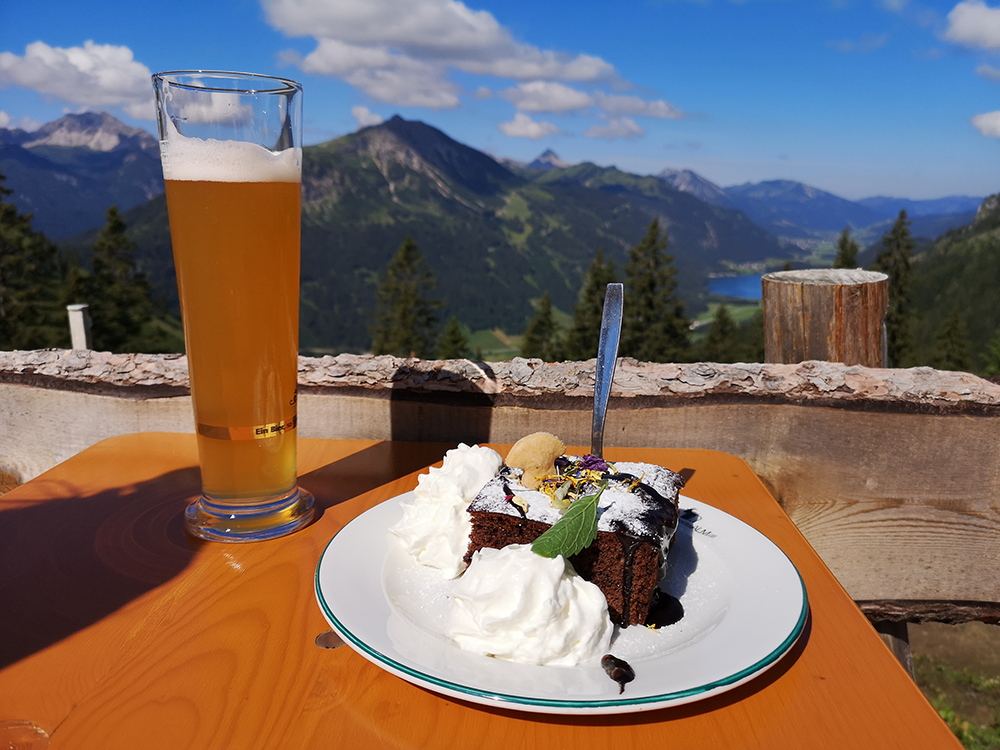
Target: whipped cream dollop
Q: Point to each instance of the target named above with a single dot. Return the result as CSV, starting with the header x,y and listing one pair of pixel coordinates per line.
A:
x,y
513,604
435,526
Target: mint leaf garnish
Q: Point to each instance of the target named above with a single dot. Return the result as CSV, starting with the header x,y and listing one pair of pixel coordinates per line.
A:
x,y
575,531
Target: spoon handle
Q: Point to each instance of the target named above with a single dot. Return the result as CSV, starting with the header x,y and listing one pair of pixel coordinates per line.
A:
x,y
607,358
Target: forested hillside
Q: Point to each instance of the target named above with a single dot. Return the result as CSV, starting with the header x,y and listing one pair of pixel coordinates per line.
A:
x,y
496,240
501,237
960,274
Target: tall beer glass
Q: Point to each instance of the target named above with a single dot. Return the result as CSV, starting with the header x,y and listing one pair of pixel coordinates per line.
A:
x,y
230,145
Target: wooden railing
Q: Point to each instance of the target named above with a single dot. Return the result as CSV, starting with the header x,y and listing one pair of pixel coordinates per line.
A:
x,y
892,475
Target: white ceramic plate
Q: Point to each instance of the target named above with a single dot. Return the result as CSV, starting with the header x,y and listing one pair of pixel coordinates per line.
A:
x,y
744,607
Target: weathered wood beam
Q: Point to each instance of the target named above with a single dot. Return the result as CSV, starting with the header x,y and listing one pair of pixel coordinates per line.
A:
x,y
951,612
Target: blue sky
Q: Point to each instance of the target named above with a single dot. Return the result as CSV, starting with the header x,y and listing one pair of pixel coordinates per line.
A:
x,y
857,97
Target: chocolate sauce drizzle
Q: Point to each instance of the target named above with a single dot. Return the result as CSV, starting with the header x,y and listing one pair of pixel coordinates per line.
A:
x,y
630,546
669,512
509,499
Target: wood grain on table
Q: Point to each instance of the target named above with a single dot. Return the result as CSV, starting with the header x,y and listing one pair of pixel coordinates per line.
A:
x,y
120,631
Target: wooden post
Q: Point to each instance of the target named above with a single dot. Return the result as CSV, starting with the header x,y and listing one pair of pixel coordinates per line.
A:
x,y
835,315
79,326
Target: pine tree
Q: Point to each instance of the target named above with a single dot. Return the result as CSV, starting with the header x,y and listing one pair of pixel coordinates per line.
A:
x,y
991,363
405,317
991,357
582,340
541,338
722,344
655,328
454,342
751,335
117,293
893,259
31,271
847,251
952,350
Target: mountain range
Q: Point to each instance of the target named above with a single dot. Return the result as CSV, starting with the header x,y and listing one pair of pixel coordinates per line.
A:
x,y
68,172
795,211
497,233
496,239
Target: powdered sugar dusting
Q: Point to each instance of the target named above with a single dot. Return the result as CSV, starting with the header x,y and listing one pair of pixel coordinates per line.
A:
x,y
636,513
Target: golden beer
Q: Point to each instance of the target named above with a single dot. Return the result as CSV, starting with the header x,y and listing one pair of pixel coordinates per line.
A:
x,y
236,250
230,145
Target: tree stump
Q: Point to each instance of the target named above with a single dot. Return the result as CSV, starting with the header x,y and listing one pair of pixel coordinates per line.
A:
x,y
834,315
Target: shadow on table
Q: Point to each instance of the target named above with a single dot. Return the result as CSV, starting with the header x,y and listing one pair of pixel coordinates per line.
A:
x,y
368,469
429,413
66,563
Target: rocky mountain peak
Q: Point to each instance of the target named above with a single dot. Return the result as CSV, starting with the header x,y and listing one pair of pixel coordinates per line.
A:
x,y
988,214
97,131
989,205
468,167
691,182
549,159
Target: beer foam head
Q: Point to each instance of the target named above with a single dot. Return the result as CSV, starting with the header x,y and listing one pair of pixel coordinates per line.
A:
x,y
227,161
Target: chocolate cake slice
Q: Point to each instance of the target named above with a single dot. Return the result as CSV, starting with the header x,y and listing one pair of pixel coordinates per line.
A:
x,y
637,519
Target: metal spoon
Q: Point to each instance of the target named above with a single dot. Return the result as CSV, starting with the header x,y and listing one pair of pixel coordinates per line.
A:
x,y
607,358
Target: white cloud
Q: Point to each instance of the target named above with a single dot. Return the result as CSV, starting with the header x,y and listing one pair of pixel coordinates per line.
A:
x,y
94,75
988,124
974,24
483,92
444,28
365,117
337,58
407,88
989,72
219,106
637,107
624,127
530,62
403,51
867,43
380,73
523,126
25,123
546,96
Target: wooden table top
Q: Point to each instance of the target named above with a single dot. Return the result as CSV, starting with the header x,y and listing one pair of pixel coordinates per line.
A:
x,y
120,631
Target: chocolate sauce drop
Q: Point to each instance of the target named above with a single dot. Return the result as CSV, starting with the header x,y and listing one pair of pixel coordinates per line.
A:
x,y
618,670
